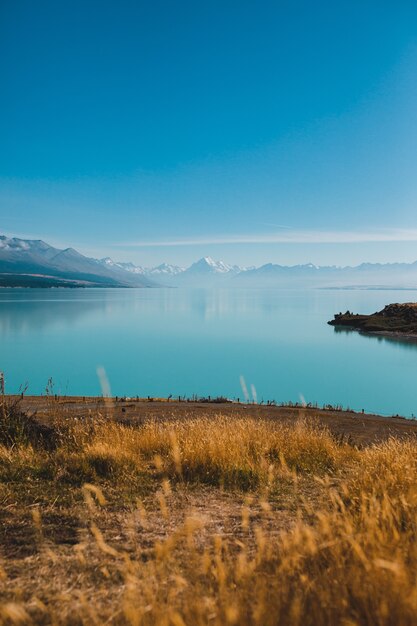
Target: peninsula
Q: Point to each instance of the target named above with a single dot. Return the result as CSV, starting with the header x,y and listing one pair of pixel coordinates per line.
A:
x,y
394,320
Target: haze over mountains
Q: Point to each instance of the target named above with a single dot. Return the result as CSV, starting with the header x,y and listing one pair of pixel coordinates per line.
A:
x,y
34,263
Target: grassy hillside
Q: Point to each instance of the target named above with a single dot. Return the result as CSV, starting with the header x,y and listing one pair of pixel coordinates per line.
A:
x,y
215,519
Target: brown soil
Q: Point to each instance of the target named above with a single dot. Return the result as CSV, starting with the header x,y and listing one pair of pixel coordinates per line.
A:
x,y
357,428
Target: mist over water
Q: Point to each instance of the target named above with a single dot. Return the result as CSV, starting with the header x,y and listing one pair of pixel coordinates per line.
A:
x,y
159,342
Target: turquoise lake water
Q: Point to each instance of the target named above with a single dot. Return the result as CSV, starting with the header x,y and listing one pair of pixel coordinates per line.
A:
x,y
159,342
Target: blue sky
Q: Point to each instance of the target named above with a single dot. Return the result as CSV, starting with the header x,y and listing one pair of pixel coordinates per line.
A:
x,y
280,131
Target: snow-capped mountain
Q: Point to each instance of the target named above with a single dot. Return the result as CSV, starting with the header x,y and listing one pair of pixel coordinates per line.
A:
x,y
204,272
27,260
35,258
174,274
127,267
165,269
207,265
377,275
30,258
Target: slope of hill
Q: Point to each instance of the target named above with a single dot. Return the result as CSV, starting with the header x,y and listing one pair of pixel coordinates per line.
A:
x,y
35,259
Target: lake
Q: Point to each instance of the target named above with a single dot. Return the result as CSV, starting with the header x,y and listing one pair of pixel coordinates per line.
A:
x,y
159,342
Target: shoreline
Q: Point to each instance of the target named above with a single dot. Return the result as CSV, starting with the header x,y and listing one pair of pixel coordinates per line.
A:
x,y
357,427
393,334
173,401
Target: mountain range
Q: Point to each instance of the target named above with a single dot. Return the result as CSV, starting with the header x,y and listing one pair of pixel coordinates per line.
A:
x,y
34,263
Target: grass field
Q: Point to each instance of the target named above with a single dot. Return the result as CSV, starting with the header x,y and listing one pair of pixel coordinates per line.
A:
x,y
205,515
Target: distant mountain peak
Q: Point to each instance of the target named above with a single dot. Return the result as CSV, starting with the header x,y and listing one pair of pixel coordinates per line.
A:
x,y
208,265
167,269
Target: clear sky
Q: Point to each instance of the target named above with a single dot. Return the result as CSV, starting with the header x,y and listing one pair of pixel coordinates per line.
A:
x,y
281,131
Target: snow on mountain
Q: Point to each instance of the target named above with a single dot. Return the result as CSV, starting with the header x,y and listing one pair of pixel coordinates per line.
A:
x,y
166,269
203,266
25,257
207,265
13,244
127,267
29,257
37,246
132,268
374,275
108,262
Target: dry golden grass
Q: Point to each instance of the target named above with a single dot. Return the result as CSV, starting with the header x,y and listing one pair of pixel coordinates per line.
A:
x,y
208,522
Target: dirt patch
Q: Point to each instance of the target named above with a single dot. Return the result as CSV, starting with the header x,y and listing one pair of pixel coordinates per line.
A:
x,y
24,532
357,428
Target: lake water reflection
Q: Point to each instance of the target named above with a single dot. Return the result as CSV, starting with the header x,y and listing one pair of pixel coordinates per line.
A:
x,y
174,341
